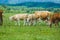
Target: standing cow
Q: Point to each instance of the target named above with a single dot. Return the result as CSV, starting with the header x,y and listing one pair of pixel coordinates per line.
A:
x,y
19,17
43,15
54,19
32,19
1,19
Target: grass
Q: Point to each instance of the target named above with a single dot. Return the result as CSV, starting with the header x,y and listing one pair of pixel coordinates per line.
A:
x,y
37,32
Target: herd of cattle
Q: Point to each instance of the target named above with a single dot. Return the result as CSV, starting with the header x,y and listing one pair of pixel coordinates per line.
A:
x,y
37,16
31,19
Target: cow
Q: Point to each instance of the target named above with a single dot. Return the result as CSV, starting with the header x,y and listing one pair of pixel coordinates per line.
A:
x,y
1,17
31,19
42,15
18,17
54,19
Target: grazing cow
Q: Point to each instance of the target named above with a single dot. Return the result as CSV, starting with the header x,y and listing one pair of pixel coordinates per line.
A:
x,y
43,15
19,17
1,19
54,19
31,19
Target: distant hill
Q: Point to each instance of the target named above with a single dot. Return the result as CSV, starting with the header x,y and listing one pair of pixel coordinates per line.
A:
x,y
37,4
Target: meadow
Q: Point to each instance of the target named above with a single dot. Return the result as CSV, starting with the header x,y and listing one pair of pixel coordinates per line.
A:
x,y
9,31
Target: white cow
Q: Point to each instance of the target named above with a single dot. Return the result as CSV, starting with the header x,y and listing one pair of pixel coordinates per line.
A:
x,y
19,17
31,19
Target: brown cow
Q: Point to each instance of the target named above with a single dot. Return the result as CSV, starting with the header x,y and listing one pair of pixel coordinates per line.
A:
x,y
1,19
43,15
54,19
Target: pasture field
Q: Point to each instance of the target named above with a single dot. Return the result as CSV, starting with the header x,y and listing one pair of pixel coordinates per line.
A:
x,y
9,31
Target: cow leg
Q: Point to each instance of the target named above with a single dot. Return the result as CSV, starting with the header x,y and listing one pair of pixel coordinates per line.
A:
x,y
29,21
25,22
34,22
56,23
18,22
39,21
50,25
46,21
1,21
15,22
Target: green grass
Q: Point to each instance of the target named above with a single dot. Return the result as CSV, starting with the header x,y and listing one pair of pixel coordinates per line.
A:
x,y
37,32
